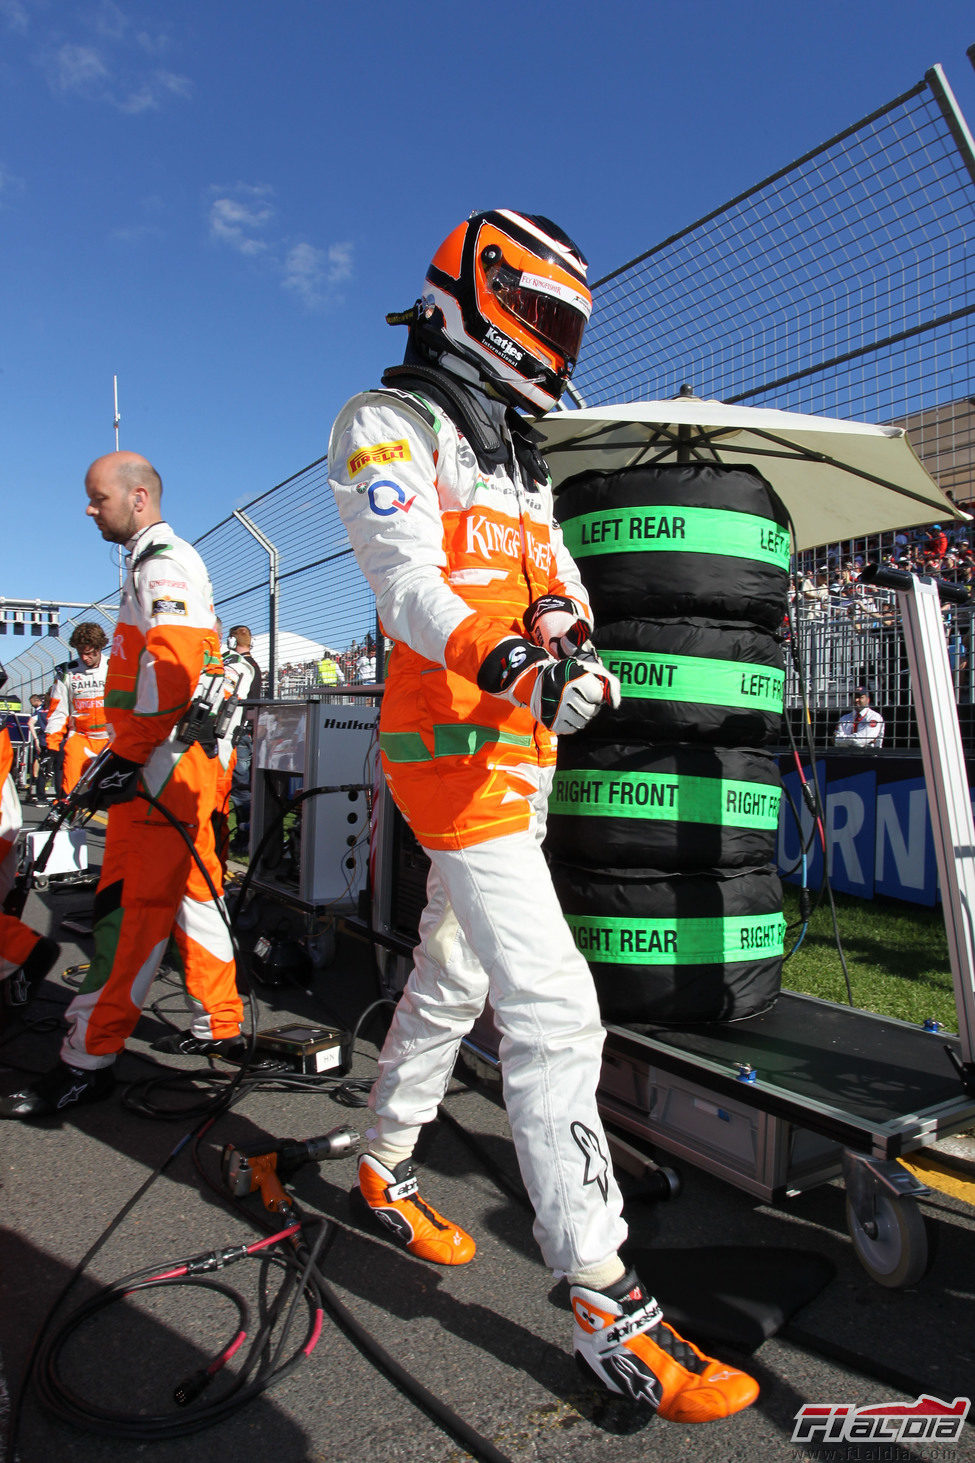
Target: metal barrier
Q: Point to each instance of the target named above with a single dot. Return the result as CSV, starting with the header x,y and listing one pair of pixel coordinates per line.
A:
x,y
32,665
840,648
842,285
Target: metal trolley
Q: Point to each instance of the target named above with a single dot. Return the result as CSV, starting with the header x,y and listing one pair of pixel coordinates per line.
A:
x,y
812,1090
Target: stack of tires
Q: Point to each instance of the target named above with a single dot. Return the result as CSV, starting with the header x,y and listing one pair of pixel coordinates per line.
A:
x,y
662,822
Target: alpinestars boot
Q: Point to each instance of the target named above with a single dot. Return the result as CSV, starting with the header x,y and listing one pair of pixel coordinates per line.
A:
x,y
622,1338
391,1196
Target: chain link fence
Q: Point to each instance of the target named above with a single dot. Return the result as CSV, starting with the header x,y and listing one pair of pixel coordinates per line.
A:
x,y
840,285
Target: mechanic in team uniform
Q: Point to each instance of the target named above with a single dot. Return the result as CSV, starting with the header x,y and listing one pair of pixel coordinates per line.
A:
x,y
76,726
165,668
449,510
21,948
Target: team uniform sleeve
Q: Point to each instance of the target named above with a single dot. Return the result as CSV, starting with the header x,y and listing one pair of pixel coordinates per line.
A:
x,y
180,636
383,472
57,716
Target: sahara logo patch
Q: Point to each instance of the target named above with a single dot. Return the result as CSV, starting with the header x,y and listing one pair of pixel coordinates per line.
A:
x,y
386,497
169,607
382,454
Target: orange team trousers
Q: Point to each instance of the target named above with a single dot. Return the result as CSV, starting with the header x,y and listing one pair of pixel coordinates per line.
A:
x,y
79,749
151,888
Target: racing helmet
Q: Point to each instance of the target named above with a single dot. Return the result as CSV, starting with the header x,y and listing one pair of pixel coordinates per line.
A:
x,y
507,292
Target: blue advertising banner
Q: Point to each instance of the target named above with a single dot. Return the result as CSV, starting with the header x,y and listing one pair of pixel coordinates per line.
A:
x,y
876,828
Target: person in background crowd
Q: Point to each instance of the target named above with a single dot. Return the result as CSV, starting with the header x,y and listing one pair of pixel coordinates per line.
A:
x,y
164,673
491,656
236,787
330,673
40,756
862,727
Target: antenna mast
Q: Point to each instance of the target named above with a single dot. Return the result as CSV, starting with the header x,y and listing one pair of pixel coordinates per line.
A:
x,y
117,417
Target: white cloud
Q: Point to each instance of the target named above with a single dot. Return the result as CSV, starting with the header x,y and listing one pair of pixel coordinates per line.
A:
x,y
15,15
78,69
242,217
112,63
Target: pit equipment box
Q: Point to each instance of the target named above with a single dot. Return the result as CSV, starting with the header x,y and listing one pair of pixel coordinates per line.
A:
x,y
317,852
67,858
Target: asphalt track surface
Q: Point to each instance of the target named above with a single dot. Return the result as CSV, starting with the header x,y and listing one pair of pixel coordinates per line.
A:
x,y
489,1339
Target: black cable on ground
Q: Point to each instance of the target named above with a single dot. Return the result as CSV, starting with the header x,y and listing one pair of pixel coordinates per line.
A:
x,y
263,1369
13,1427
435,1408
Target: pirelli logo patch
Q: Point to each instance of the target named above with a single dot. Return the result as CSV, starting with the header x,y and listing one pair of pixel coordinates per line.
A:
x,y
383,453
169,607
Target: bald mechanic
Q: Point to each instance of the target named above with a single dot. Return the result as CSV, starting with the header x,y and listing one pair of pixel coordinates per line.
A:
x,y
164,656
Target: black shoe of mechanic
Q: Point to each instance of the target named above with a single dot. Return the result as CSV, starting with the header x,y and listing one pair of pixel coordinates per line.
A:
x,y
62,1088
39,963
185,1044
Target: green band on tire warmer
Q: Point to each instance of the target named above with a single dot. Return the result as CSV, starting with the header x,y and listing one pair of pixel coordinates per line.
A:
x,y
614,941
666,798
678,530
696,679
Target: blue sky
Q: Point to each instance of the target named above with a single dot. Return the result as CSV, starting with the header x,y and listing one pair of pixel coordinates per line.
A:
x,y
218,202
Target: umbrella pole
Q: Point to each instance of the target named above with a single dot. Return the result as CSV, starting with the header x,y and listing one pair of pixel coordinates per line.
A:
x,y
684,453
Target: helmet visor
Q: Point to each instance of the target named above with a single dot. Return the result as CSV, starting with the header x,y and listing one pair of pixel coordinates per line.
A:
x,y
550,310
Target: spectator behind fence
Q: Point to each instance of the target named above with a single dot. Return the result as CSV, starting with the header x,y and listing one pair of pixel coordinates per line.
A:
x,y
862,728
330,673
237,755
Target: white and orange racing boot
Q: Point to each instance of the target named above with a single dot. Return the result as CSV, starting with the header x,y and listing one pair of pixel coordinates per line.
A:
x,y
391,1196
623,1340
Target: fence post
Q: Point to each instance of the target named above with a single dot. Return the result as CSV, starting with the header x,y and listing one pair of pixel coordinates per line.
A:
x,y
272,596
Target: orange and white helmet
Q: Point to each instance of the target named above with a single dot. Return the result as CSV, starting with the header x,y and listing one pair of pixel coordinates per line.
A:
x,y
507,292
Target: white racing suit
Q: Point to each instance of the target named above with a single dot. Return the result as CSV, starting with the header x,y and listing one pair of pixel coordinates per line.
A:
x,y
455,552
76,722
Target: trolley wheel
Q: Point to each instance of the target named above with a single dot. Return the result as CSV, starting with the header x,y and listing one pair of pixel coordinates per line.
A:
x,y
40,881
321,948
249,916
897,1254
670,1183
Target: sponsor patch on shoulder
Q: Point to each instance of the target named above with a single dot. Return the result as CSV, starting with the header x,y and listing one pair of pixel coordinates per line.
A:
x,y
383,453
169,607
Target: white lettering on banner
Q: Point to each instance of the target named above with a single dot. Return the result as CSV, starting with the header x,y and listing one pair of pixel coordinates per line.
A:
x,y
878,836
907,847
841,835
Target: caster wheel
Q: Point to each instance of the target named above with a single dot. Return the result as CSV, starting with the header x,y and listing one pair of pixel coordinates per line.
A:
x,y
321,948
897,1254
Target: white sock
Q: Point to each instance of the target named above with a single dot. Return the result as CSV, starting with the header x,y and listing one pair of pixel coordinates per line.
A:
x,y
599,1277
389,1154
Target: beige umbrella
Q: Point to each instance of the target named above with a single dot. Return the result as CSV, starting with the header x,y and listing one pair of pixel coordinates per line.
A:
x,y
838,479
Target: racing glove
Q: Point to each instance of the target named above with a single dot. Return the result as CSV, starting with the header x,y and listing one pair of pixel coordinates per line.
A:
x,y
109,779
558,625
562,694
